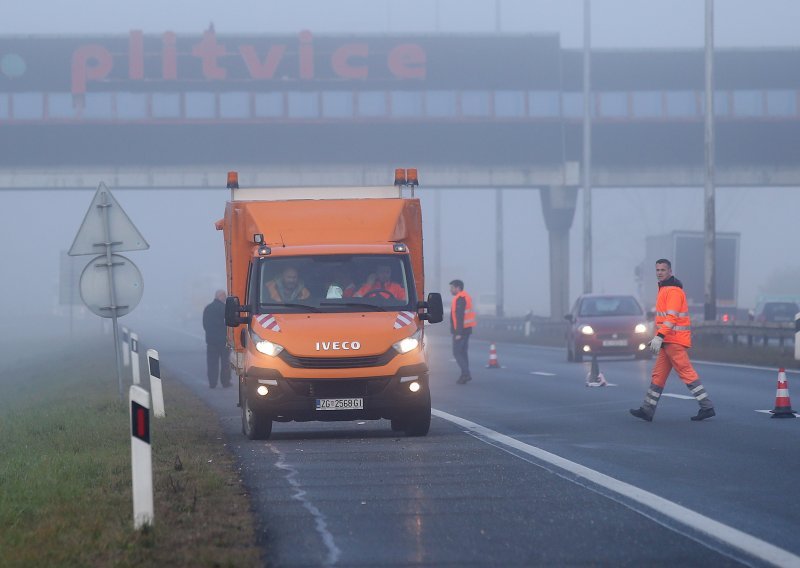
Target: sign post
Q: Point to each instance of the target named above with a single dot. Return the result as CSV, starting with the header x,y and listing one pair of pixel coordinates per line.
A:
x,y
111,285
797,337
155,383
141,458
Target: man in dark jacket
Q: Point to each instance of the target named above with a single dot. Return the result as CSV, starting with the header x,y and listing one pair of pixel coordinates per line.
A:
x,y
216,341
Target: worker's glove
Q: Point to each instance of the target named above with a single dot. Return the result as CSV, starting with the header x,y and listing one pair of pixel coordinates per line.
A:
x,y
655,344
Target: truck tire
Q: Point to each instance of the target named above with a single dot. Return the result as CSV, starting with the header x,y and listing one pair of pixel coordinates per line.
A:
x,y
255,425
398,425
418,423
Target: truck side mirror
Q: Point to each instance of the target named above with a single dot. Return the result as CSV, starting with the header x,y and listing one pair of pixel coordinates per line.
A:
x,y
434,306
651,315
233,310
568,317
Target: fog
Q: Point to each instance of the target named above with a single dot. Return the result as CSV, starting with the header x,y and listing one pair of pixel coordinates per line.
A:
x,y
184,264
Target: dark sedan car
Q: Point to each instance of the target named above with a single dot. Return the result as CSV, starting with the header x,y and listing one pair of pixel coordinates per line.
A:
x,y
605,324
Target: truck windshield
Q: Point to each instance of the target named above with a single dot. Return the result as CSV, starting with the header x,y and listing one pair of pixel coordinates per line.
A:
x,y
335,283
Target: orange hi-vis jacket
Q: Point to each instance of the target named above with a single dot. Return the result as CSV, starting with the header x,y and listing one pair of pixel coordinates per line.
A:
x,y
672,313
469,313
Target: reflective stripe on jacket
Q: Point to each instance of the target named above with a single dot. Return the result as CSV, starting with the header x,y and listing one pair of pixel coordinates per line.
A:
x,y
672,316
469,314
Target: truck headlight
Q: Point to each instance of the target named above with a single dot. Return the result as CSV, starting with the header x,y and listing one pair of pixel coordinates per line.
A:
x,y
640,328
587,330
409,343
266,347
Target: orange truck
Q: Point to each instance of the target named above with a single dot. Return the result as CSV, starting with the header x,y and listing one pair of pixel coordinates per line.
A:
x,y
325,313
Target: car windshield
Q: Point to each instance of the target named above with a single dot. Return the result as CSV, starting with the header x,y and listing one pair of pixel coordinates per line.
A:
x,y
334,283
610,306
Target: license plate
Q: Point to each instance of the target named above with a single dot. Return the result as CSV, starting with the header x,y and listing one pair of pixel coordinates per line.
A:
x,y
340,404
615,342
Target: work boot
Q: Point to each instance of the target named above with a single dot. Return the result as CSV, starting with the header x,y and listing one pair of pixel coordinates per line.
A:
x,y
467,378
643,414
704,413
461,380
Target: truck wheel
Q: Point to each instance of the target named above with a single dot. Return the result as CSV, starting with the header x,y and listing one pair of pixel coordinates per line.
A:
x,y
398,425
418,424
255,425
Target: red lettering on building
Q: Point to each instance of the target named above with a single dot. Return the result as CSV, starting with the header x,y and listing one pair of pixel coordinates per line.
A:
x,y
89,62
342,64
347,61
306,55
169,57
407,61
136,55
265,69
208,50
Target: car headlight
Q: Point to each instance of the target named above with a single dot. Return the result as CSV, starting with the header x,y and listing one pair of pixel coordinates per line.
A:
x,y
640,328
587,330
266,347
409,343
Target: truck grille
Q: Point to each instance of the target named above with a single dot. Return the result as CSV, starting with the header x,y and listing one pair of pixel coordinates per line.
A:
x,y
337,362
338,388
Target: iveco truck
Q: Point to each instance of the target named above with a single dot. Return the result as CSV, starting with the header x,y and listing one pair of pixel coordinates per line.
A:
x,y
325,309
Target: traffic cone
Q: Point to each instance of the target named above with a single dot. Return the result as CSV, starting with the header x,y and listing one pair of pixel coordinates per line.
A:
x,y
493,363
595,378
783,406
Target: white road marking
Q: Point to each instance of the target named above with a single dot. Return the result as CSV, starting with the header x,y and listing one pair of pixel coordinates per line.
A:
x,y
319,518
683,396
542,373
730,536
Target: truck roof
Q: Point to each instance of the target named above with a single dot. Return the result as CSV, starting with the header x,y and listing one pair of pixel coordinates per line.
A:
x,y
327,221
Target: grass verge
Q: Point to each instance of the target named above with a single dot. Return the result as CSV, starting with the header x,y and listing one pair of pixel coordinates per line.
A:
x,y
65,475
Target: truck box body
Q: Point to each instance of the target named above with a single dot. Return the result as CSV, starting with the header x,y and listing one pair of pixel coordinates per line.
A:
x,y
686,251
341,340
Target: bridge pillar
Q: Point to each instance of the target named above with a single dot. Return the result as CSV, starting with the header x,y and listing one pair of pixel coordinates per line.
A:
x,y
558,207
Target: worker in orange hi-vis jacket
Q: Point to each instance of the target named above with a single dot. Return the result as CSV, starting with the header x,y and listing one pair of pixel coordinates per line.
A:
x,y
670,344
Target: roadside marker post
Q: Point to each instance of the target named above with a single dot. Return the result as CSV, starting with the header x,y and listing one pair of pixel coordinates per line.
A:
x,y
797,336
141,458
126,348
135,358
155,383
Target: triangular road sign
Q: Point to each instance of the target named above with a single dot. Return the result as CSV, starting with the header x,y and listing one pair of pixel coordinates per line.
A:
x,y
92,237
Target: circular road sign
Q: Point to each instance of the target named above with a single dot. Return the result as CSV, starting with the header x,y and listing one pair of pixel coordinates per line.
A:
x,y
128,285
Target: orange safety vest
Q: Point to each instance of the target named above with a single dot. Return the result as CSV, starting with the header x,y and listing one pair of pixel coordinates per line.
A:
x,y
469,314
393,288
672,316
272,289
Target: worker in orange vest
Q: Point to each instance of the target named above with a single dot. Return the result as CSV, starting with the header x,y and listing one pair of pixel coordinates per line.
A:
x,y
462,320
673,338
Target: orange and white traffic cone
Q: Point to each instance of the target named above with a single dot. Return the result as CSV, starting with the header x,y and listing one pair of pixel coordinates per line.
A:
x,y
783,406
493,363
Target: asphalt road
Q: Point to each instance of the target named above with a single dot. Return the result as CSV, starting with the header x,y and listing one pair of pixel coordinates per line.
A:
x,y
525,466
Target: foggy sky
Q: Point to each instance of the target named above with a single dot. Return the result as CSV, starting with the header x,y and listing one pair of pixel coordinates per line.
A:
x,y
184,265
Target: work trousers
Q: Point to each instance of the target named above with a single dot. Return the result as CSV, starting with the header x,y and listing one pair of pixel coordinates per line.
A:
x,y
460,347
218,365
674,356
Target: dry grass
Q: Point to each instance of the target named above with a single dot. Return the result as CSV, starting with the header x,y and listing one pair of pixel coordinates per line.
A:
x,y
65,476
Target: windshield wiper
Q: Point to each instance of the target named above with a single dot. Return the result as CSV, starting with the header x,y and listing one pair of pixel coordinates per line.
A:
x,y
289,305
354,305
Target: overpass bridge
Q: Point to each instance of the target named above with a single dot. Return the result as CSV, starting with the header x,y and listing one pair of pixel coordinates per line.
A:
x,y
493,111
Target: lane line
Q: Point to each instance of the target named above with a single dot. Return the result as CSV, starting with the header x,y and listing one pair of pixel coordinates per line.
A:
x,y
300,495
732,537
542,373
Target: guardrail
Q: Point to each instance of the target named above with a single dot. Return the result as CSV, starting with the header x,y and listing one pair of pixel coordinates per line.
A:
x,y
709,335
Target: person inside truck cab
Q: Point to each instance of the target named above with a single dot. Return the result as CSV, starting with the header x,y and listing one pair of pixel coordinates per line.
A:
x,y
379,284
287,287
341,284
